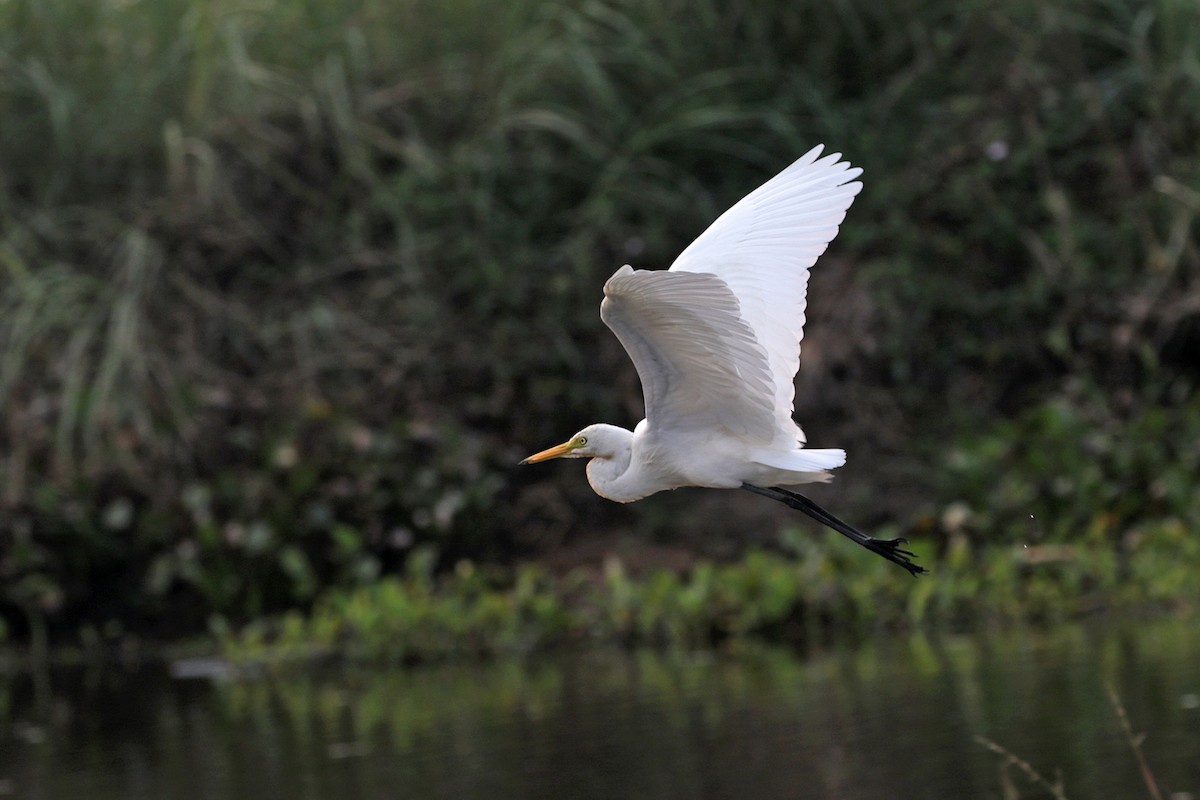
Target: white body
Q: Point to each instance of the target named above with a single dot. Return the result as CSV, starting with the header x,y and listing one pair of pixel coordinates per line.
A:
x,y
638,464
716,343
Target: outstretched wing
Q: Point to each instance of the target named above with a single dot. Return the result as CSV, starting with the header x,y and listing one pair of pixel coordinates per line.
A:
x,y
700,364
763,247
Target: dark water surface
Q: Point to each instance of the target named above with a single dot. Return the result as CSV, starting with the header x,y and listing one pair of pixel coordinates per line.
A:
x,y
892,718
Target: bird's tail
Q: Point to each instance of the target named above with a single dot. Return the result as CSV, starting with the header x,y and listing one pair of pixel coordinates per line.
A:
x,y
802,460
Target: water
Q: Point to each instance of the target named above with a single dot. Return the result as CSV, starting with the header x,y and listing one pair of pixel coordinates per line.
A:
x,y
891,718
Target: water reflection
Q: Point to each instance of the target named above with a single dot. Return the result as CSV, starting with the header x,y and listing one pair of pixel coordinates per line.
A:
x,y
891,718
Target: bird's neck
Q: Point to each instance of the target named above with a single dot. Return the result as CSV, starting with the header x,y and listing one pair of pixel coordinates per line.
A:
x,y
608,472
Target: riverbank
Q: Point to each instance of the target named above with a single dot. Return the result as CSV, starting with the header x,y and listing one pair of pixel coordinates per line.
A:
x,y
819,594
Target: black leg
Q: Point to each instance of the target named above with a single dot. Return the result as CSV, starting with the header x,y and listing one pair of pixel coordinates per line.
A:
x,y
888,548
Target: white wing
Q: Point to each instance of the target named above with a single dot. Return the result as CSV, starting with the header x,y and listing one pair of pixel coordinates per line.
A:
x,y
700,365
763,247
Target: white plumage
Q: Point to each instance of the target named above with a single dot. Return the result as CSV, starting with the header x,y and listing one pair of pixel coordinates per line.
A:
x,y
763,248
716,342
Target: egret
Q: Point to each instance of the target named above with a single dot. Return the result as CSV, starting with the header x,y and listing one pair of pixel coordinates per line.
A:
x,y
716,343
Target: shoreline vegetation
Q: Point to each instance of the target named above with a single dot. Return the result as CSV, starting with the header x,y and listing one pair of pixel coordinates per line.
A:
x,y
286,289
467,613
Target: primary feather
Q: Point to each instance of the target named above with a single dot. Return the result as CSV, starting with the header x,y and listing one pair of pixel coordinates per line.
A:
x,y
763,248
716,339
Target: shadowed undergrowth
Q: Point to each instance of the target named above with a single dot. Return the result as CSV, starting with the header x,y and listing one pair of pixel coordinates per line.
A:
x,y
283,285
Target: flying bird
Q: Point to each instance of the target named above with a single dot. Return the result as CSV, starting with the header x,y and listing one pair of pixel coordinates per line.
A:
x,y
716,343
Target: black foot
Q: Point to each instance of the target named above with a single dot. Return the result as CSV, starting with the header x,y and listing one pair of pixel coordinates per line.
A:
x,y
888,548
892,551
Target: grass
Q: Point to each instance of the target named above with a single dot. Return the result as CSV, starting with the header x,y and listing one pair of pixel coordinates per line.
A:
x,y
284,284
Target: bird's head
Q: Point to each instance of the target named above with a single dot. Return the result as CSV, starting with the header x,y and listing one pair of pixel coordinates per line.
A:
x,y
594,441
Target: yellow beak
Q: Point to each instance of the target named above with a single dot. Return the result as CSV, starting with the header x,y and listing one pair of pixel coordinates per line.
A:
x,y
558,451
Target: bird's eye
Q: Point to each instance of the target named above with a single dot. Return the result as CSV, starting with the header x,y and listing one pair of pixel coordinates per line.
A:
x,y
582,440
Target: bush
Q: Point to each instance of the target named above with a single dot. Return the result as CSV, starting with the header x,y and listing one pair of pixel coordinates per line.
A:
x,y
283,290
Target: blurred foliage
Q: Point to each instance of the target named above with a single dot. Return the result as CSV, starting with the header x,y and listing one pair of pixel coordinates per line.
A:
x,y
827,593
1077,469
283,284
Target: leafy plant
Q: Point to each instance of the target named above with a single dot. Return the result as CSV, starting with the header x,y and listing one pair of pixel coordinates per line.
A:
x,y
280,289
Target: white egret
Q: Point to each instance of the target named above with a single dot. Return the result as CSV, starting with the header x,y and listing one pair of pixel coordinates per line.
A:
x,y
716,342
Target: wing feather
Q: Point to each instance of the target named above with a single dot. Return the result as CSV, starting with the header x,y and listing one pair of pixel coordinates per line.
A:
x,y
762,249
700,364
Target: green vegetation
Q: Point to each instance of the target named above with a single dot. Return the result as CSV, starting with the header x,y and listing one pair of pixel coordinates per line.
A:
x,y
1020,556
287,288
822,592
